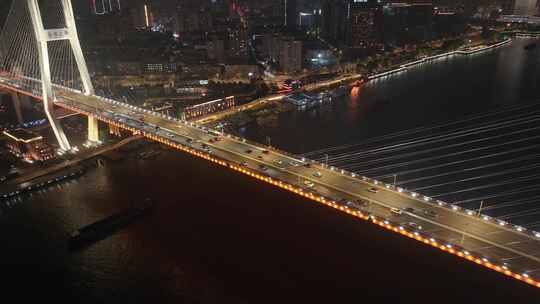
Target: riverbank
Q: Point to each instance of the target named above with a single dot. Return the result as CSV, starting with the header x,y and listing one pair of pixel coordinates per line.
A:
x,y
19,191
266,111
428,94
459,52
43,175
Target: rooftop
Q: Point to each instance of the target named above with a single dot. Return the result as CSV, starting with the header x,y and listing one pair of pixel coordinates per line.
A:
x,y
22,135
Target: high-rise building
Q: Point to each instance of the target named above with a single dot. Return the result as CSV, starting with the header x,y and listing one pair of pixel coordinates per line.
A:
x,y
271,46
333,23
407,23
420,21
525,7
141,15
364,19
291,14
194,21
237,41
215,49
290,56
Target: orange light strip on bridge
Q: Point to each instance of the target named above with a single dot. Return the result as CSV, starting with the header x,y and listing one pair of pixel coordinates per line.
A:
x,y
328,202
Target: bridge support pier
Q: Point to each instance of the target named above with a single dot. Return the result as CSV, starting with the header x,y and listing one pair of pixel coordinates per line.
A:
x,y
93,129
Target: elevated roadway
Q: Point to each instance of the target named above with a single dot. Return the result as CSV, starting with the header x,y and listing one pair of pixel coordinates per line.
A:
x,y
510,250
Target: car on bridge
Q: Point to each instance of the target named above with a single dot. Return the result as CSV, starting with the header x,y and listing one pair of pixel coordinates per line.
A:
x,y
373,190
396,211
412,225
309,184
317,174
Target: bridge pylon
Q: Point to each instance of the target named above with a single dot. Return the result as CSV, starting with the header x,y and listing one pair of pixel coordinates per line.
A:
x,y
43,37
17,106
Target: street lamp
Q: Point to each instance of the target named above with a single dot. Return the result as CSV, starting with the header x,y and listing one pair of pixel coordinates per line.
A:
x,y
395,179
326,160
480,209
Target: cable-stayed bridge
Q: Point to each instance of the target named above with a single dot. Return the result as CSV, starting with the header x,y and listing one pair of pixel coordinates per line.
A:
x,y
40,56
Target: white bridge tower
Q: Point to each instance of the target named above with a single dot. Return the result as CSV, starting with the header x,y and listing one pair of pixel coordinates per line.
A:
x,y
43,36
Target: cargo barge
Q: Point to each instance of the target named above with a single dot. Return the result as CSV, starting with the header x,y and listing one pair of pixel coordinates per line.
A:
x,y
107,226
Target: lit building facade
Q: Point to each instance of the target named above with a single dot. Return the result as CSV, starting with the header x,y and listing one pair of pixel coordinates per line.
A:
x,y
290,56
364,20
28,145
160,67
237,41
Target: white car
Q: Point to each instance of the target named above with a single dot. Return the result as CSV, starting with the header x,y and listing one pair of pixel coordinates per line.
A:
x,y
373,190
396,211
309,184
317,174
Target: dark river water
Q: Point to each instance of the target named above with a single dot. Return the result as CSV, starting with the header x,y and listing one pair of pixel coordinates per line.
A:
x,y
429,94
219,237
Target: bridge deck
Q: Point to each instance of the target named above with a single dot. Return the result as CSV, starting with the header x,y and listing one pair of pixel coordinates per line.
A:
x,y
498,243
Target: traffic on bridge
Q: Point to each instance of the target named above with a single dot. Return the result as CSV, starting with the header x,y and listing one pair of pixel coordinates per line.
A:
x,y
497,245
